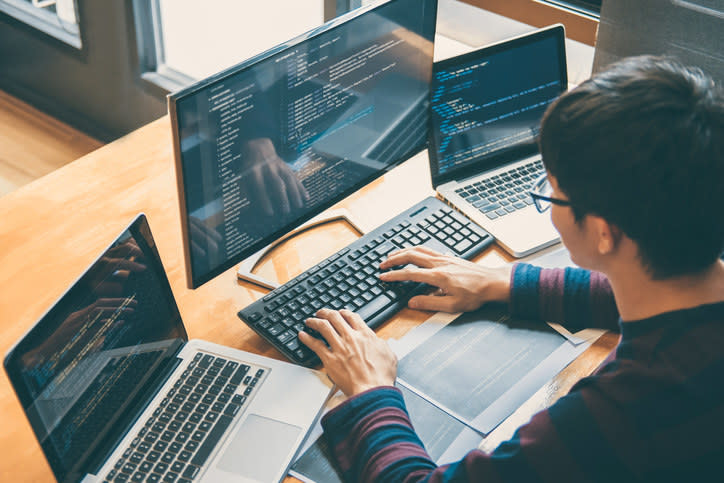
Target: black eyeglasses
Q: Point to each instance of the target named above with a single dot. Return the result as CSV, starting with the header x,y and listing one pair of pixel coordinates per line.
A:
x,y
541,192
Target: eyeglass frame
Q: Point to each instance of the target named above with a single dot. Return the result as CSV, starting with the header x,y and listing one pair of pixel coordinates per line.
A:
x,y
537,197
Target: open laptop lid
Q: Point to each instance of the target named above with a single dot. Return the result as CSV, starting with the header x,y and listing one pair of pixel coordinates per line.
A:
x,y
88,365
486,105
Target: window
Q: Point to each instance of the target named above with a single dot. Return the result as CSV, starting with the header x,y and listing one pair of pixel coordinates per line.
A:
x,y
58,18
185,40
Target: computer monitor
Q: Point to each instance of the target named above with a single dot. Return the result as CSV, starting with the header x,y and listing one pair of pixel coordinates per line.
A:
x,y
266,145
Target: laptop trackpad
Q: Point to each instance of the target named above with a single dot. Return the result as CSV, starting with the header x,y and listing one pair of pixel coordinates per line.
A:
x,y
260,448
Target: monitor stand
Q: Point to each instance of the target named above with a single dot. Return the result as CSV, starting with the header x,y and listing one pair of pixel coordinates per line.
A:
x,y
247,266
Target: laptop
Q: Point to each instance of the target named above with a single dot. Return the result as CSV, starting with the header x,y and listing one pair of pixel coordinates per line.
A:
x,y
485,112
115,391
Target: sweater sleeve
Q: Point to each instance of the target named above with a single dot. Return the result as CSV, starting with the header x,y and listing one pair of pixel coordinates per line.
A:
x,y
573,297
372,440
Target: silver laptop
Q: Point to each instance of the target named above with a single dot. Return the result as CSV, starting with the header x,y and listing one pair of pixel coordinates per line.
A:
x,y
485,112
115,391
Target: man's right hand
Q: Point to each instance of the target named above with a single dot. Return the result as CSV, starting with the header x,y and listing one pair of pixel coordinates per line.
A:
x,y
462,285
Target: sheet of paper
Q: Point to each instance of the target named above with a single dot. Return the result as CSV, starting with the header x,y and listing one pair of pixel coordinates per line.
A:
x,y
481,356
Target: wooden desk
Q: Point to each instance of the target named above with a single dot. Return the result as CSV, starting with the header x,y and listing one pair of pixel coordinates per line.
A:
x,y
53,228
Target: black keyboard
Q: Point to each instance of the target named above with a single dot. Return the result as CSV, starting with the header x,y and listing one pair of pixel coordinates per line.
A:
x,y
503,193
349,278
183,430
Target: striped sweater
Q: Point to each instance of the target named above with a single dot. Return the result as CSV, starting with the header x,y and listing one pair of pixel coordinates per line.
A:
x,y
653,412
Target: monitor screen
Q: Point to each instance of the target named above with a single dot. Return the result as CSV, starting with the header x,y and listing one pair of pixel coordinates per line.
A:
x,y
85,367
486,106
266,145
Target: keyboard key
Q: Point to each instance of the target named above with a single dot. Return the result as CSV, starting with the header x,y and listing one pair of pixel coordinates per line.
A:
x,y
184,456
206,361
232,409
462,246
191,471
286,336
373,306
481,204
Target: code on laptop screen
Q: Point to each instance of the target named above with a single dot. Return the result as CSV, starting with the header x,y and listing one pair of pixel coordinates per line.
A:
x,y
488,103
85,366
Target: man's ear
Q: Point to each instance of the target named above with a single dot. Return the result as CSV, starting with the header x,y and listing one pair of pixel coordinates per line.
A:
x,y
608,235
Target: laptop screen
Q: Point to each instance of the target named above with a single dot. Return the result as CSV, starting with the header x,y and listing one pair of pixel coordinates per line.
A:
x,y
83,369
486,105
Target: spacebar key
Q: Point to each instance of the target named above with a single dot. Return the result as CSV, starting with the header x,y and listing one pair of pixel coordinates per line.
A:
x,y
211,440
371,308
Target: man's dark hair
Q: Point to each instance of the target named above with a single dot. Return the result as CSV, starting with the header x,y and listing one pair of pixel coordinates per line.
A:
x,y
642,146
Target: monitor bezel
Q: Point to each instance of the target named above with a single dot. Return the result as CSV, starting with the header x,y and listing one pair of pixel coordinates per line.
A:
x,y
173,98
517,152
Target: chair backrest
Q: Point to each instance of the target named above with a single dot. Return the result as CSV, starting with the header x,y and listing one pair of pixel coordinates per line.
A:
x,y
690,30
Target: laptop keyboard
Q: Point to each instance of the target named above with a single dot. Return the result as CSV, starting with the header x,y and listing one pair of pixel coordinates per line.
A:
x,y
182,432
503,193
349,278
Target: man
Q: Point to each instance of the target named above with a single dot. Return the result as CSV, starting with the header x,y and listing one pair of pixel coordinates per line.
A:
x,y
635,164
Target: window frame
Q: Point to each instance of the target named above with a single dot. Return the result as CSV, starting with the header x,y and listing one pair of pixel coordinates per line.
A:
x,y
40,19
159,78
